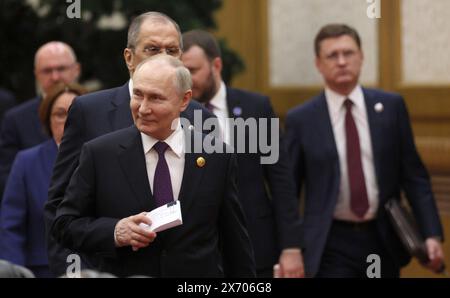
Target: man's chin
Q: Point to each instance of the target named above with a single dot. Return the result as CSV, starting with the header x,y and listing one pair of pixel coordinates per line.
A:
x,y
146,128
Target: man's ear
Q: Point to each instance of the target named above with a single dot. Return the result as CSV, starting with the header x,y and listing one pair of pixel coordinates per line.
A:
x,y
217,64
318,64
77,70
186,99
128,56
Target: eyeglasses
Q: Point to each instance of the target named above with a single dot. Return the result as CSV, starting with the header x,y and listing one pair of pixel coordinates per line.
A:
x,y
334,56
59,69
59,116
171,51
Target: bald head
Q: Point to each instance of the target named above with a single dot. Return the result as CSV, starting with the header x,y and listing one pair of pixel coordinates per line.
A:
x,y
55,62
54,48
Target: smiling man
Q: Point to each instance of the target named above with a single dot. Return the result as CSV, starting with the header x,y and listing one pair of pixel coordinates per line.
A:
x,y
131,171
105,111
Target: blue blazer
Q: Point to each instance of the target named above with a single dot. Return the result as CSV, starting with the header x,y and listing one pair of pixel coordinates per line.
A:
x,y
21,219
315,161
21,129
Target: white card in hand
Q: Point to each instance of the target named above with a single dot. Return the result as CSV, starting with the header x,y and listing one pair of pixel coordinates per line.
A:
x,y
164,217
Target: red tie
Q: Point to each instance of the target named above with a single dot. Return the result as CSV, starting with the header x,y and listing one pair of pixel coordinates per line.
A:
x,y
359,203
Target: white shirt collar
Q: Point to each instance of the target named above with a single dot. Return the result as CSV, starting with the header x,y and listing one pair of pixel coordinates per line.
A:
x,y
219,101
175,141
336,101
130,87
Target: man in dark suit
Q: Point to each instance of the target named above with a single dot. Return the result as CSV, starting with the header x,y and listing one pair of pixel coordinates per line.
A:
x,y
353,150
54,62
266,191
101,112
7,101
145,166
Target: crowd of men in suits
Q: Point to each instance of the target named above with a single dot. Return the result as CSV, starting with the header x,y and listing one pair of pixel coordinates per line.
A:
x,y
125,152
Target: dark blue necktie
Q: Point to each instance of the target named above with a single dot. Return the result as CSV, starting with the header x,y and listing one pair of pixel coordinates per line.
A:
x,y
162,185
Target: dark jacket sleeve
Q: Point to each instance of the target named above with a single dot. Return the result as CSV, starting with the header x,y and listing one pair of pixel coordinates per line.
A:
x,y
65,165
281,188
13,216
415,179
76,225
238,257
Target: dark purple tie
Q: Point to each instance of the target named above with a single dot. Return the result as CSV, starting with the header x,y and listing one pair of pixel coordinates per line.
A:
x,y
209,106
359,203
162,185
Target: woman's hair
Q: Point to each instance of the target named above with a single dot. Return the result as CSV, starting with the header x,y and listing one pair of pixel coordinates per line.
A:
x,y
45,108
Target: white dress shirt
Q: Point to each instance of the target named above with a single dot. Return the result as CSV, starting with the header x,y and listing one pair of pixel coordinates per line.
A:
x,y
130,87
220,109
337,111
174,156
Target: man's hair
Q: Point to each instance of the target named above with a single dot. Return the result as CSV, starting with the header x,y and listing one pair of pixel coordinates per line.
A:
x,y
183,80
333,31
135,26
204,40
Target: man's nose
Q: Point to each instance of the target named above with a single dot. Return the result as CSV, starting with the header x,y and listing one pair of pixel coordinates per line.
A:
x,y
145,108
341,59
56,76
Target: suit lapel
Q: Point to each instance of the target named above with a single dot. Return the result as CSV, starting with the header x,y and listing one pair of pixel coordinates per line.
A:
x,y
48,153
192,176
325,128
234,105
120,113
236,110
326,142
132,161
375,127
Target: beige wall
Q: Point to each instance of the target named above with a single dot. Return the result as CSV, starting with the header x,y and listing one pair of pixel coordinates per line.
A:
x,y
292,26
425,42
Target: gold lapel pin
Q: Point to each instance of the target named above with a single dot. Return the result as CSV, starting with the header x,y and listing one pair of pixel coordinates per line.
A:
x,y
201,162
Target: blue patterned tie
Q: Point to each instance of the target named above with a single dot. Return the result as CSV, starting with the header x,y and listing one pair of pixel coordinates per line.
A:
x,y
162,185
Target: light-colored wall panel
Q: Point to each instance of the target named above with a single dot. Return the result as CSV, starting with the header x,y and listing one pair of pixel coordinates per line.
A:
x,y
425,42
293,25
